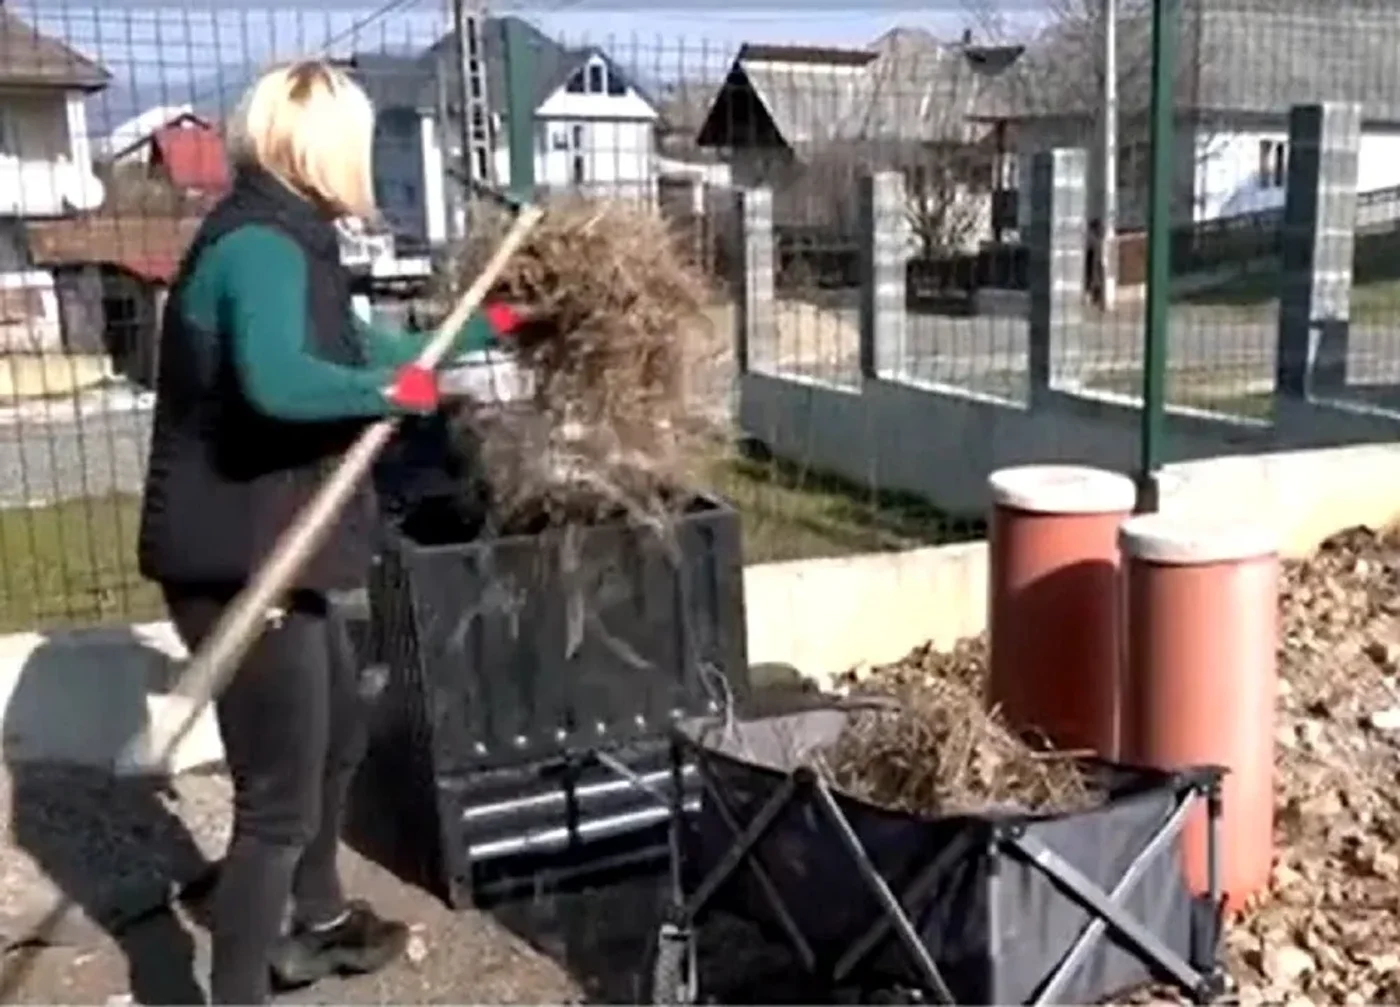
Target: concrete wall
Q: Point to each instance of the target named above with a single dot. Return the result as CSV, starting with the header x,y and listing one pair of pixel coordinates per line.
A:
x,y
80,695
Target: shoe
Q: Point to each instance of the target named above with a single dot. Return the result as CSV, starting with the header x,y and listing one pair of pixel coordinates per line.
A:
x,y
359,944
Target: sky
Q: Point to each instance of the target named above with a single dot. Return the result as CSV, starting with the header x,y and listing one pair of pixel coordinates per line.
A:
x,y
168,51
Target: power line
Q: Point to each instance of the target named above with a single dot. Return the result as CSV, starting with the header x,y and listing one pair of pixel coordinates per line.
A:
x,y
381,12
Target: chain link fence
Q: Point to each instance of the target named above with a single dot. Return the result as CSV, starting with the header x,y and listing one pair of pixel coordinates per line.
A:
x,y
918,271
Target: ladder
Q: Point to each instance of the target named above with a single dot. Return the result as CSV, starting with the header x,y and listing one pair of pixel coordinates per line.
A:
x,y
476,135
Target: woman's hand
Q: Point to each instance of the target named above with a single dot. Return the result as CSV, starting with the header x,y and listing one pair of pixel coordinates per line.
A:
x,y
503,318
414,390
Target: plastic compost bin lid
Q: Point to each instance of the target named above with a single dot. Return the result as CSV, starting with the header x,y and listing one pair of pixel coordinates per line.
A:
x,y
1196,539
1062,489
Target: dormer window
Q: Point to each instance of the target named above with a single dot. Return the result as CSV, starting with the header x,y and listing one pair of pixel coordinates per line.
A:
x,y
596,78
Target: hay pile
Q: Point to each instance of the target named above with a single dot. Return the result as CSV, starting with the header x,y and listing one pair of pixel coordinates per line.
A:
x,y
941,752
608,431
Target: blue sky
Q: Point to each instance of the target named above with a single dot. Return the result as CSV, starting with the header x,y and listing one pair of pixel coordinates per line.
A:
x,y
168,52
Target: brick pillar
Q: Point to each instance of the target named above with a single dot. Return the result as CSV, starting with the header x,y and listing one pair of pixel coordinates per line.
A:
x,y
1319,237
754,316
884,254
1055,238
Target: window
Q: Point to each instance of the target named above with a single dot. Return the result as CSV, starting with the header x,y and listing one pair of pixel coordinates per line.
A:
x,y
597,79
1273,164
575,85
559,138
578,138
616,85
580,172
1134,165
1008,171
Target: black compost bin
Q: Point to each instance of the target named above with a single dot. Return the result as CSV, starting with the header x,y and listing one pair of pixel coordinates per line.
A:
x,y
990,908
533,681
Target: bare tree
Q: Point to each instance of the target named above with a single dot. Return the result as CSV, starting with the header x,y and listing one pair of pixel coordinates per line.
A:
x,y
132,188
946,213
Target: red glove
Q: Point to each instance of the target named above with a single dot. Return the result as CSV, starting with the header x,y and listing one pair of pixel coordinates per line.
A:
x,y
415,389
502,318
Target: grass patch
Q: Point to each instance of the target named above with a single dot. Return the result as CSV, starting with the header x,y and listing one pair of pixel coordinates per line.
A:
x,y
72,563
1193,389
789,512
1375,295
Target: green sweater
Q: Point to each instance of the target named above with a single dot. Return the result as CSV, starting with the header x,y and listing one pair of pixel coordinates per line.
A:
x,y
251,285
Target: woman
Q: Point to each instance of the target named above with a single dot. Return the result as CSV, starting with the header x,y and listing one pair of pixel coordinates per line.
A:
x,y
266,378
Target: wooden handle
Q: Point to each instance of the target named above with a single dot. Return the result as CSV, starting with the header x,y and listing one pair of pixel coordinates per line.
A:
x,y
244,618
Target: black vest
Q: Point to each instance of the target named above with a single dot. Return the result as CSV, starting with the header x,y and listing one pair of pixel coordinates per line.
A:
x,y
223,480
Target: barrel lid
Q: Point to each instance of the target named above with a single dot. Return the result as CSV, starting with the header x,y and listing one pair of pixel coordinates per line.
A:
x,y
1188,540
1062,489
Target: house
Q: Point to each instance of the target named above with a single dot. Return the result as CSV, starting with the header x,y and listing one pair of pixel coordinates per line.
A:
x,y
185,152
176,144
1241,65
124,140
594,128
807,121
112,273
45,167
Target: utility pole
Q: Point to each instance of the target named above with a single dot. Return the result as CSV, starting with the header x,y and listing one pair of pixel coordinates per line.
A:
x,y
472,139
1108,219
477,139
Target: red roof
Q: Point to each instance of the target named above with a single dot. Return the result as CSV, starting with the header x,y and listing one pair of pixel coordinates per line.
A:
x,y
193,157
148,247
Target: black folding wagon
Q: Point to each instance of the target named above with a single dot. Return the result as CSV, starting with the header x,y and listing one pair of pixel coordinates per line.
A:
x,y
985,908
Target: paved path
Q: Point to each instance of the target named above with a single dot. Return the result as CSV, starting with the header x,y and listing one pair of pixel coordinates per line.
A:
x,y
94,453
956,349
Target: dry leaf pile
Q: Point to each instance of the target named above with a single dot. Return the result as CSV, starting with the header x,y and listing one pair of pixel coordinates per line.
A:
x,y
940,752
608,431
1328,930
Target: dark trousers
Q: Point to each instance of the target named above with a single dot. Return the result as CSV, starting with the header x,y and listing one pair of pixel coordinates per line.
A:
x,y
293,734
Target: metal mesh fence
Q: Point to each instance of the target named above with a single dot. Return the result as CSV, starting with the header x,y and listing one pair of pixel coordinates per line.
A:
x,y
918,270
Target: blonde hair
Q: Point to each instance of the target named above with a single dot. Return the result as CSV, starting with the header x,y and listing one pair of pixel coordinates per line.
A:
x,y
311,126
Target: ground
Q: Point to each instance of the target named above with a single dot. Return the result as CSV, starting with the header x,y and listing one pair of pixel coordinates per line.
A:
x,y
1327,930
116,848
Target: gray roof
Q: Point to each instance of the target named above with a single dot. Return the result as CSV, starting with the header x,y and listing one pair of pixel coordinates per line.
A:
x,y
396,81
32,59
907,86
1255,57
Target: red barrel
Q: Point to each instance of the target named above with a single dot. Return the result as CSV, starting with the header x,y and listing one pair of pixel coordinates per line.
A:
x,y
1054,604
1200,677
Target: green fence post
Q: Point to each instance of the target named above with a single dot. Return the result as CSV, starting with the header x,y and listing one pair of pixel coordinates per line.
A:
x,y
520,109
1159,222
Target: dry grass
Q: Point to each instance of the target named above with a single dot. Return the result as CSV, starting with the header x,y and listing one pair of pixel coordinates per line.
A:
x,y
939,751
613,309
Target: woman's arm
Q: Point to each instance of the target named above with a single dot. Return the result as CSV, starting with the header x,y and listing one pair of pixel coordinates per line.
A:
x,y
388,347
257,279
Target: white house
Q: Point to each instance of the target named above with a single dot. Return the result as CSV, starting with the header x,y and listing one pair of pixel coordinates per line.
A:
x,y
594,129
45,158
45,168
1241,67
